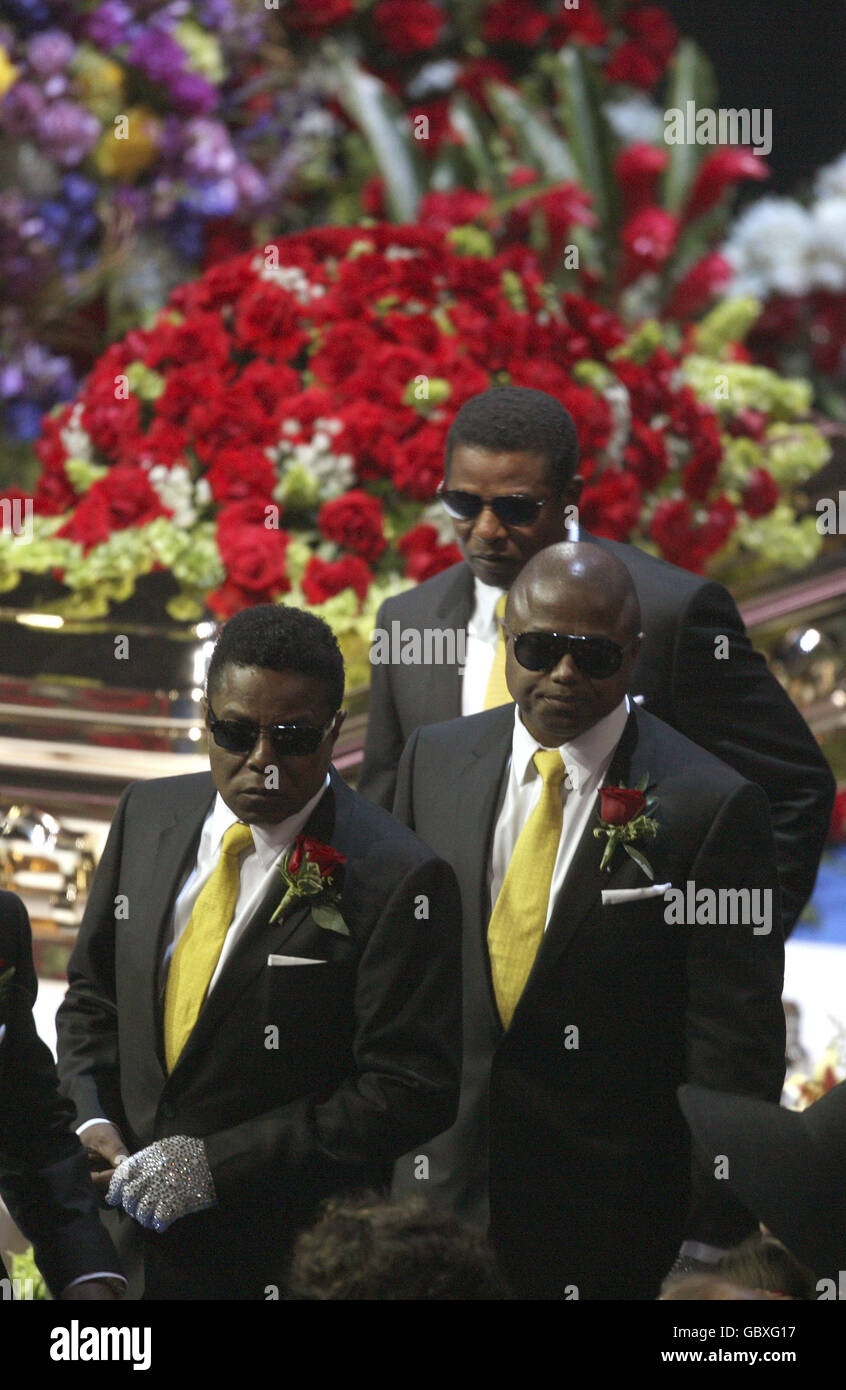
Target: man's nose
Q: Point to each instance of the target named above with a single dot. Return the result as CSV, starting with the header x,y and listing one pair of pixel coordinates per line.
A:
x,y
263,754
566,671
488,525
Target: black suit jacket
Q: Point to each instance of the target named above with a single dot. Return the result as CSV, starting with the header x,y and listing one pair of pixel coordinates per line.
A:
x,y
732,706
43,1169
582,1152
368,1041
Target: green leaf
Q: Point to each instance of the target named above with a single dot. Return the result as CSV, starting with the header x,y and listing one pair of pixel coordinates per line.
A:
x,y
588,132
330,918
639,859
692,79
536,141
643,783
373,108
466,121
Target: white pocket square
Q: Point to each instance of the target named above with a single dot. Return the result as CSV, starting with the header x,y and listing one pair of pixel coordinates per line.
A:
x,y
293,960
610,896
2,1031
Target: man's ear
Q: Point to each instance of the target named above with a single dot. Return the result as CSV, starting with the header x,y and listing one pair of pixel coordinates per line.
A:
x,y
340,717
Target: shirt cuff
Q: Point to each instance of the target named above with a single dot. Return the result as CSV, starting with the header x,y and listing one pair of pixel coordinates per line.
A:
x,y
696,1250
105,1276
100,1120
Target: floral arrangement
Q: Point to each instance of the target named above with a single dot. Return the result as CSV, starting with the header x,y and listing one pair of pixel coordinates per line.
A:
x,y
141,141
792,257
801,1089
535,121
278,432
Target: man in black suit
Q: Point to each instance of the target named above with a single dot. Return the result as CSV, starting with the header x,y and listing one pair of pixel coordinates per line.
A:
x,y
255,1061
43,1172
593,981
510,473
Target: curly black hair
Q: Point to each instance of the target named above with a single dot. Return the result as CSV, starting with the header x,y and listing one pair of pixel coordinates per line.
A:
x,y
508,418
275,637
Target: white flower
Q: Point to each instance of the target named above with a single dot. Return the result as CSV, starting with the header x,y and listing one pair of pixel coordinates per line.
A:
x,y
830,182
433,78
76,441
828,252
769,248
175,491
634,119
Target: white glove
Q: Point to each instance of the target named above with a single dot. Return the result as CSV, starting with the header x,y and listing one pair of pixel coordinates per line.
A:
x,y
163,1182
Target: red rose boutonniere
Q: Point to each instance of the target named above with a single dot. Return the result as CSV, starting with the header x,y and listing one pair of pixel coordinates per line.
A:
x,y
308,870
624,817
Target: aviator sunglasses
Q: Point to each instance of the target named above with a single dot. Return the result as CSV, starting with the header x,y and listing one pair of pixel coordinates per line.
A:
x,y
597,657
288,740
518,510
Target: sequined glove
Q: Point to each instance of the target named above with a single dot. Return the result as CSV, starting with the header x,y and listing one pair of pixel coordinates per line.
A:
x,y
163,1182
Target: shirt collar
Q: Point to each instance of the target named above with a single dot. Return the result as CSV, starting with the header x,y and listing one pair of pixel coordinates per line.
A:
x,y
587,754
483,621
269,840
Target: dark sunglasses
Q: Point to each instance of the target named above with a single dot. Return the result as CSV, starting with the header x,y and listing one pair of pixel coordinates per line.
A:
x,y
597,657
518,510
288,740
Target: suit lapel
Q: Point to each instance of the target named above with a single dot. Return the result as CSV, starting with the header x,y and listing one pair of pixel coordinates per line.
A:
x,y
483,782
441,685
260,938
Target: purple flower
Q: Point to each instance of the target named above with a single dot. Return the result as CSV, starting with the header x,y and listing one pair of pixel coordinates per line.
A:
x,y
216,199
157,55
107,26
209,153
67,132
20,108
192,95
252,187
78,192
50,52
23,420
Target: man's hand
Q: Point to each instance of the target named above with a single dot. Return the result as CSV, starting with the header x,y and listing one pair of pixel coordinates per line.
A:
x,y
106,1150
90,1289
163,1182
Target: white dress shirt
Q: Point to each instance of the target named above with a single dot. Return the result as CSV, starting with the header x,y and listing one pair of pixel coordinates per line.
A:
x,y
587,759
258,868
482,637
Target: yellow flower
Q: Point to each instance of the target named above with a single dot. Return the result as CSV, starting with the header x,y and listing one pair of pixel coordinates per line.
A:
x,y
99,83
8,72
130,146
203,50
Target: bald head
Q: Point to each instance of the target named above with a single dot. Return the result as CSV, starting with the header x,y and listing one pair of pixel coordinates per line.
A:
x,y
570,590
594,577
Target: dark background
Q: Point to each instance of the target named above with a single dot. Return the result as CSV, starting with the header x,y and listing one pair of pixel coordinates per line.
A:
x,y
789,55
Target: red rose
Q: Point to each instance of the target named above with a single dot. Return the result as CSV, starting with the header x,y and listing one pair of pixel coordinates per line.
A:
x,y
354,521
611,506
707,276
637,170
837,829
163,443
407,26
453,208
619,805
241,471
253,553
53,495
646,455
717,173
419,463
761,492
424,554
322,579
324,856
648,241
634,64
654,29
313,16
200,338
514,22
267,321
584,22
124,497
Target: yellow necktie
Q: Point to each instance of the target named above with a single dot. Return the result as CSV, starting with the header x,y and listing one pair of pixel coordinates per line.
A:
x,y
497,692
198,949
516,927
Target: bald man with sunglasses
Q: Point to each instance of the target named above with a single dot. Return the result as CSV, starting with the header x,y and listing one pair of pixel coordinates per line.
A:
x,y
510,489
568,817
264,1000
